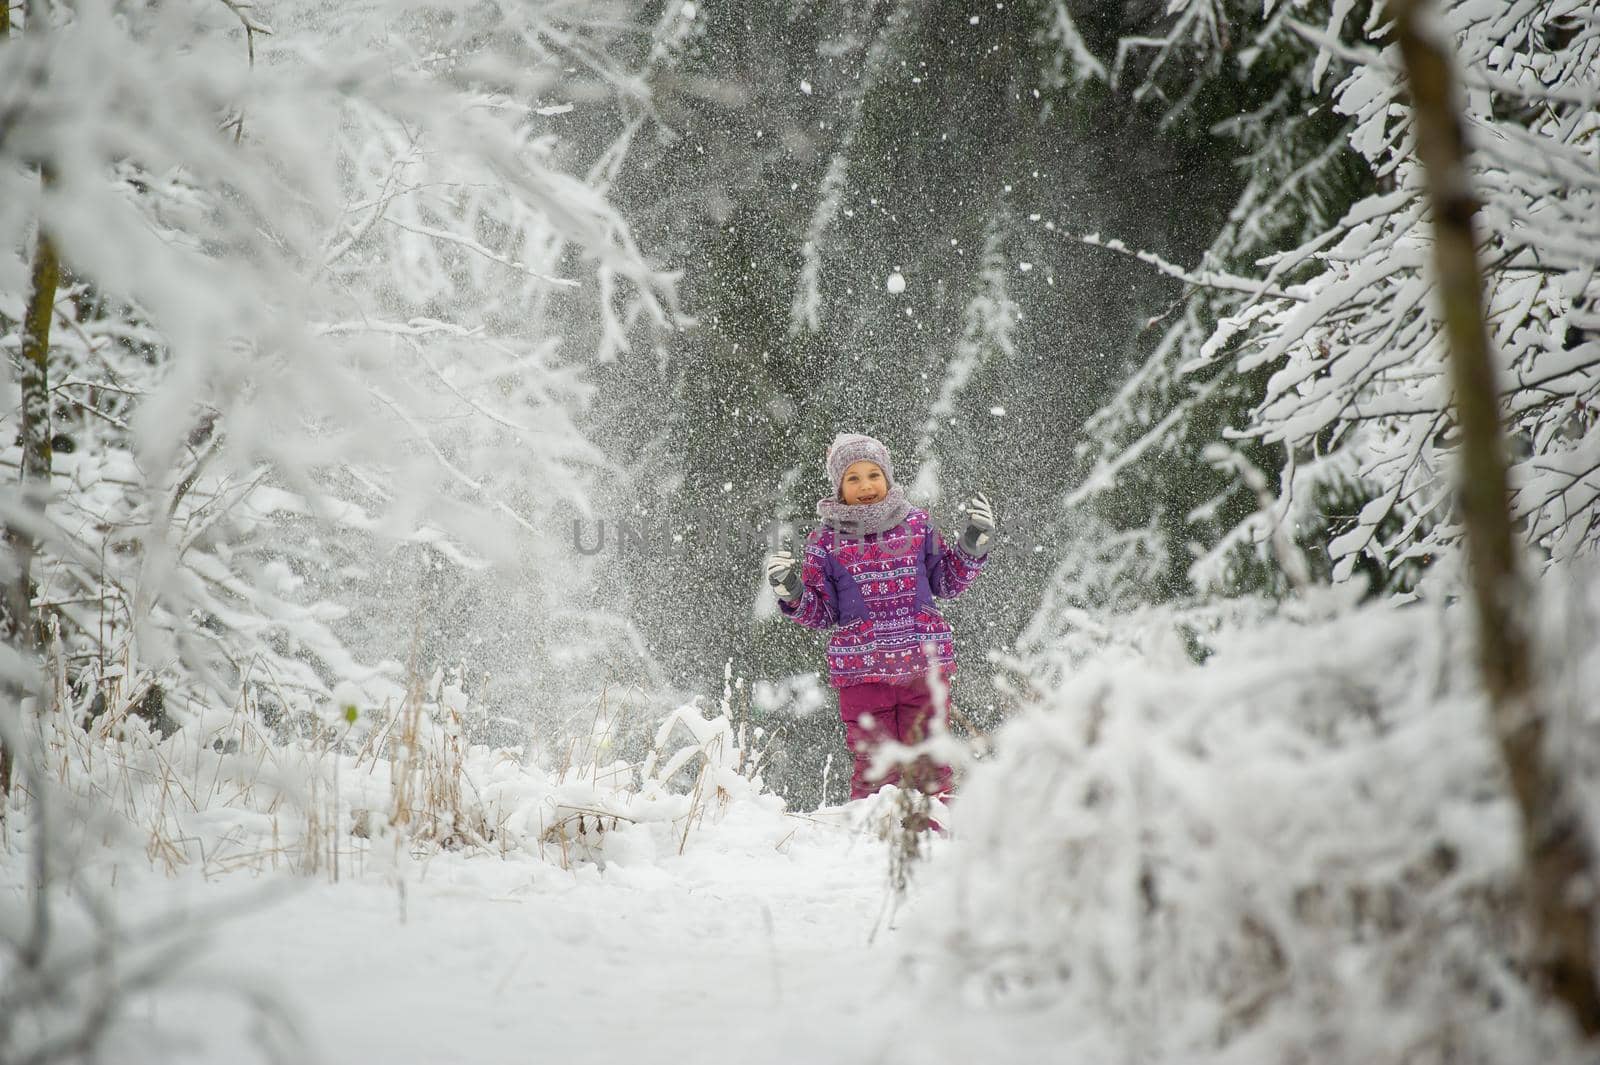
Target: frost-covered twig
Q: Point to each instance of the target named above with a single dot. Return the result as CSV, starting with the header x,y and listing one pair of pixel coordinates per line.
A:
x,y
1207,279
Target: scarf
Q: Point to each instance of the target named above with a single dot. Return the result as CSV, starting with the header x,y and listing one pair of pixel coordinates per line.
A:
x,y
865,518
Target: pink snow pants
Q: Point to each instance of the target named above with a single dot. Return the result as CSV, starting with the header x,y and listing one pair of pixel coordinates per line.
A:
x,y
877,712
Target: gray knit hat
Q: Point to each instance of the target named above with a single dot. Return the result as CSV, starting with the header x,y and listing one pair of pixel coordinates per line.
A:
x,y
854,447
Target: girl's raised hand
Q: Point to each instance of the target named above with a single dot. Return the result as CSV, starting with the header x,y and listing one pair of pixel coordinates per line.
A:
x,y
980,524
783,574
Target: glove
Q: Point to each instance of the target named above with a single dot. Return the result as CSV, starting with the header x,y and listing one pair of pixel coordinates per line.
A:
x,y
784,575
976,538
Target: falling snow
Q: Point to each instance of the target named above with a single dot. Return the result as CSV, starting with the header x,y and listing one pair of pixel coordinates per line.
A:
x,y
434,410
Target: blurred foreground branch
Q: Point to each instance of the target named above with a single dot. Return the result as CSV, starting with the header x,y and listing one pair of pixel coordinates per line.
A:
x,y
1558,892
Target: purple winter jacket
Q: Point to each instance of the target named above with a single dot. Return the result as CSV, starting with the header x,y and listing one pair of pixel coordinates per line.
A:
x,y
879,590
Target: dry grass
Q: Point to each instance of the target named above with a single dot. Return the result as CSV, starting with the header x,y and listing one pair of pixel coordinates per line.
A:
x,y
321,795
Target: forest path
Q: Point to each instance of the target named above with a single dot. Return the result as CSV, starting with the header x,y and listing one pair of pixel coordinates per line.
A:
x,y
755,945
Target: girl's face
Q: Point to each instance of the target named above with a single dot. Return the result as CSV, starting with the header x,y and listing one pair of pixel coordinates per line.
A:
x,y
863,483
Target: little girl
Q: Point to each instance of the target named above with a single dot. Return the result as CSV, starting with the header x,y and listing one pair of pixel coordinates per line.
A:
x,y
873,569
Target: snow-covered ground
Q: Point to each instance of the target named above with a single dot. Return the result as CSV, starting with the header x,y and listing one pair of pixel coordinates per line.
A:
x,y
755,945
214,897
1266,856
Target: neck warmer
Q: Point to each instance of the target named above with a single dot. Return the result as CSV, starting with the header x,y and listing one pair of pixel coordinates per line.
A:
x,y
862,519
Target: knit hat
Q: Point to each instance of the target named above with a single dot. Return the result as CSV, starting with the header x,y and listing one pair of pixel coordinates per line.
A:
x,y
848,448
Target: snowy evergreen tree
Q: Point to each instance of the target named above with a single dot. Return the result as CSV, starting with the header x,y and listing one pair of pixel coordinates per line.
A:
x,y
1242,82
1321,342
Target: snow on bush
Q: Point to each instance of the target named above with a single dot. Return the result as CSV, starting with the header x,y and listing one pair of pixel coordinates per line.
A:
x,y
316,353
1300,850
334,792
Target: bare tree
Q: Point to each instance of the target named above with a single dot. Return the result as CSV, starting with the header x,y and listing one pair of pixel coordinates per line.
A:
x,y
1557,860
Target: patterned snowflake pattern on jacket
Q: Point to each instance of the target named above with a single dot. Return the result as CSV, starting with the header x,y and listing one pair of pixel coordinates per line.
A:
x,y
879,591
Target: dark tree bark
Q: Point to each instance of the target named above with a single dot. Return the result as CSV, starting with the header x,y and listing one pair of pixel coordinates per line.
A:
x,y
34,436
5,750
1558,883
34,479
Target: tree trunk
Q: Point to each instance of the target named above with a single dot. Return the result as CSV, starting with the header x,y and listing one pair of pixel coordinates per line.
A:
x,y
34,476
5,750
34,433
1558,895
